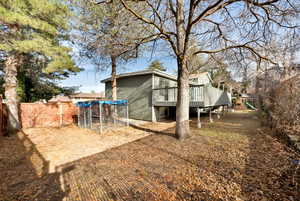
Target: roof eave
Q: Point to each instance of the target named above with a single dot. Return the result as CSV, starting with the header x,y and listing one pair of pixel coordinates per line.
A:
x,y
142,73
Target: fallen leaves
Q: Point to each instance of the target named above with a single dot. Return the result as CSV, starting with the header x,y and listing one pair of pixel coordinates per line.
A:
x,y
227,160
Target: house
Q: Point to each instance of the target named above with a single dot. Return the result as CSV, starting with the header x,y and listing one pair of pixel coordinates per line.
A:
x,y
201,78
86,97
152,94
61,99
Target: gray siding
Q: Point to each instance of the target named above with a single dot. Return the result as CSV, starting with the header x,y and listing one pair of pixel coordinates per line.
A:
x,y
215,97
162,82
138,91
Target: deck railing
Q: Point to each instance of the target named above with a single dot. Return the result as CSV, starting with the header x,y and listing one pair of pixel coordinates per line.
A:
x,y
170,94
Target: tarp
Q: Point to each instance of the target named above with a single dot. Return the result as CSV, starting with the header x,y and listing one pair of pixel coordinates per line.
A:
x,y
95,102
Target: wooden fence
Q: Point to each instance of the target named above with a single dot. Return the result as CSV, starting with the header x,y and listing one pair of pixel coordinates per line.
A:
x,y
47,114
3,118
40,115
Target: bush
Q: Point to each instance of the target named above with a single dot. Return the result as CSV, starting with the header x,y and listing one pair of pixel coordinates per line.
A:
x,y
283,106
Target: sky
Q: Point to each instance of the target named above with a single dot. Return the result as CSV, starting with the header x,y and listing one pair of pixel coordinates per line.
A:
x,y
89,79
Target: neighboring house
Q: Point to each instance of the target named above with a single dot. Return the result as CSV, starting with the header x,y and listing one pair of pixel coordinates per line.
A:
x,y
201,78
59,98
86,97
152,94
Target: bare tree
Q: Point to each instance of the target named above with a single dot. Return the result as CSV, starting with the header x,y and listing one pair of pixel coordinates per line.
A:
x,y
108,35
282,50
218,25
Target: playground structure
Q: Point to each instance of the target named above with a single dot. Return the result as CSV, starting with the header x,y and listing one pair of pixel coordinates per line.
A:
x,y
103,115
250,106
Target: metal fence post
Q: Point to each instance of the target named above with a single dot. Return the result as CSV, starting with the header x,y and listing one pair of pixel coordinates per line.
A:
x,y
84,116
91,117
114,114
78,118
100,117
127,114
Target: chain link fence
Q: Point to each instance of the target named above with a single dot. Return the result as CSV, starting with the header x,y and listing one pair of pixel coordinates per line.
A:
x,y
103,115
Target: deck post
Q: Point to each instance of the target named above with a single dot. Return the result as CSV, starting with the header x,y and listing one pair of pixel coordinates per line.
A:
x,y
198,121
218,113
100,117
210,116
223,110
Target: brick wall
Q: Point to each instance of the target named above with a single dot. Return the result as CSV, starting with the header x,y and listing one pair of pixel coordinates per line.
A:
x,y
47,114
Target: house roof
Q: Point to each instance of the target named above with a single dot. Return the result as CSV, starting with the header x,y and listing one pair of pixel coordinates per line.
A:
x,y
143,72
60,99
195,75
87,95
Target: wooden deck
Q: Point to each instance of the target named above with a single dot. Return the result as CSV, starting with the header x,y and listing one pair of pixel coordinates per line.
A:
x,y
173,103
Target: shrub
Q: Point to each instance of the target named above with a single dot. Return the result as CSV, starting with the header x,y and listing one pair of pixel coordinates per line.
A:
x,y
283,106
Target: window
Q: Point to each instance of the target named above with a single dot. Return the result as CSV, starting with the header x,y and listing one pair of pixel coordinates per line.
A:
x,y
194,80
163,83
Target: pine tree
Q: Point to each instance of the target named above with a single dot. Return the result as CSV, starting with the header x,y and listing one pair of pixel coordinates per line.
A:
x,y
156,65
33,27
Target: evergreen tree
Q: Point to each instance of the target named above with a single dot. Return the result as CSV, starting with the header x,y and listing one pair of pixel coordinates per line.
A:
x,y
156,65
35,28
33,83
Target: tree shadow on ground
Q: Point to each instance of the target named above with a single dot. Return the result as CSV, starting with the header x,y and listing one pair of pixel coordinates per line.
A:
x,y
167,132
249,166
231,159
24,172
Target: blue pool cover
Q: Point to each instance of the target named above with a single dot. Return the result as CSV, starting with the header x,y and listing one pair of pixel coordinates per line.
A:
x,y
109,102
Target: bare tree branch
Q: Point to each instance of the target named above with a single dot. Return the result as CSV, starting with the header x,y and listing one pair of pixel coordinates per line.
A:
x,y
245,46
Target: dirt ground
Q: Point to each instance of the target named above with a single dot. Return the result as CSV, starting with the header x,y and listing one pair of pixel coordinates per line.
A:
x,y
231,159
59,146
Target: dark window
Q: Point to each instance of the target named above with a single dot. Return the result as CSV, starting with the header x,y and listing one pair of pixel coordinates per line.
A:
x,y
163,83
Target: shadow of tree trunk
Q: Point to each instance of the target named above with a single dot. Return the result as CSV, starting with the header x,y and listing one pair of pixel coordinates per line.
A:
x,y
24,172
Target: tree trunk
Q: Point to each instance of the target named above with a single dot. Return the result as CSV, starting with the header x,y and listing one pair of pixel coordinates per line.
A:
x,y
12,103
182,106
114,77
